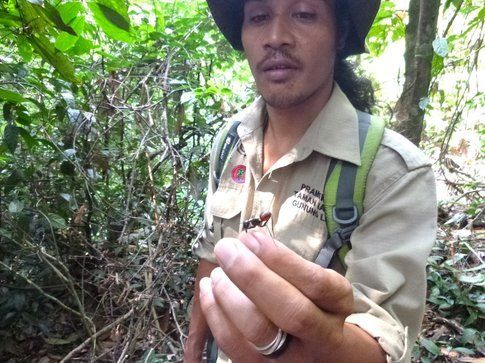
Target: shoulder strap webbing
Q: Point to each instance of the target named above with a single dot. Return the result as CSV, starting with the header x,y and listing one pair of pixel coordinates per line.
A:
x,y
227,139
344,191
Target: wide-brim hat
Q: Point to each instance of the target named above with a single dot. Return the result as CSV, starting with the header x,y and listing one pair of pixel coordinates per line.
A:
x,y
229,14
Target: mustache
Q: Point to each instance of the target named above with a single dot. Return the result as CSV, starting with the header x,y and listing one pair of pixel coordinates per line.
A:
x,y
279,55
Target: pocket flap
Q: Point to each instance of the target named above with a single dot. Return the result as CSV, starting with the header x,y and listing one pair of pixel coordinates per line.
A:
x,y
226,204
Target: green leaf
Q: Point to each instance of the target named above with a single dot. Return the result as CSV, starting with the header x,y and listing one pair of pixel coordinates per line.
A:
x,y
9,19
464,350
11,137
65,41
112,18
478,279
53,14
82,46
15,206
25,49
59,61
11,96
430,346
32,14
468,336
69,12
56,220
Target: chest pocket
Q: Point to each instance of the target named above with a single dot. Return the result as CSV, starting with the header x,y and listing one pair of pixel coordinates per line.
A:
x,y
226,210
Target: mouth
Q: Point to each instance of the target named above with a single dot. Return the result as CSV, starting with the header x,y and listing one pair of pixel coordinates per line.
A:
x,y
278,70
277,64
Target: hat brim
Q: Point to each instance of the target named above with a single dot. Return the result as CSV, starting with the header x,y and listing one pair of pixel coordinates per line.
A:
x,y
229,16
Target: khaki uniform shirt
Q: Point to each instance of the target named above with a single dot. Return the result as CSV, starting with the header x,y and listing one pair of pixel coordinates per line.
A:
x,y
386,265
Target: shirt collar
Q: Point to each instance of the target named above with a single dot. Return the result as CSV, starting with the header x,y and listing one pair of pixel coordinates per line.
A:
x,y
334,132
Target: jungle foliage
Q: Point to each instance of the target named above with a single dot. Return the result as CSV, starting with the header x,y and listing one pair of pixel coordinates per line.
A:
x,y
109,109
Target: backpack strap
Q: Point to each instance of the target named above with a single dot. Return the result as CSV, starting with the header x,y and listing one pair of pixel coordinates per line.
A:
x,y
226,142
344,191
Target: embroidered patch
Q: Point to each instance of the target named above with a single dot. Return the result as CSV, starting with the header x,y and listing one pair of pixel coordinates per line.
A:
x,y
239,174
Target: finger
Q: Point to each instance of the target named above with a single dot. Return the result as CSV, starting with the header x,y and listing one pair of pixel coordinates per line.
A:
x,y
242,312
227,336
278,299
328,289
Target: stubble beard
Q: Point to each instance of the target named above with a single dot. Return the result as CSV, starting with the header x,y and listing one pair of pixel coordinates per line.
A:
x,y
285,100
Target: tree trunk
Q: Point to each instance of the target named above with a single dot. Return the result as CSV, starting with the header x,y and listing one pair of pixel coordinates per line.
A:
x,y
420,33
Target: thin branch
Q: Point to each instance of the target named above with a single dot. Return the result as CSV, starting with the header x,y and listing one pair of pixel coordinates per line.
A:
x,y
108,327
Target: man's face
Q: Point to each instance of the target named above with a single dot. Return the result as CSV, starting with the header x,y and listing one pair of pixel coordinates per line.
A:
x,y
290,46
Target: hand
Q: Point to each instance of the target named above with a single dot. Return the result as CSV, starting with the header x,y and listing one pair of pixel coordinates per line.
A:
x,y
262,286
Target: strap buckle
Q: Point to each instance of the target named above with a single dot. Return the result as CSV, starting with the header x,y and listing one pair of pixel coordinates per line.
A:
x,y
345,215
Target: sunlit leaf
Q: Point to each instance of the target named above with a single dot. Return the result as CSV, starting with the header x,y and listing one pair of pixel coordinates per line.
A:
x,y
54,16
9,19
25,49
56,220
477,279
82,46
423,103
59,61
15,206
70,11
11,96
65,41
33,16
112,19
440,46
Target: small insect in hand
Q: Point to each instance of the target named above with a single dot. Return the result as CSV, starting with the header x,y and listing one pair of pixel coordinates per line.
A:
x,y
260,221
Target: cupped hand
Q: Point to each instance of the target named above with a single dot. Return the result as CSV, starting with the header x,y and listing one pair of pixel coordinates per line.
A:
x,y
262,286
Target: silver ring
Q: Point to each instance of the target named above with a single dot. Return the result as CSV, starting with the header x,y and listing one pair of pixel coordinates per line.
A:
x,y
275,345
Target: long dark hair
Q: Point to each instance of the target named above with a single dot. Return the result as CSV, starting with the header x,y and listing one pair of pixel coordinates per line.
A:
x,y
358,89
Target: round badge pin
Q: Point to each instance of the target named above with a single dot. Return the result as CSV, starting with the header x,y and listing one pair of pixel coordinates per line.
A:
x,y
239,174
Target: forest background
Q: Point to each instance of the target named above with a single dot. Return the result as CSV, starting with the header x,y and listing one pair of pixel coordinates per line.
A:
x,y
109,109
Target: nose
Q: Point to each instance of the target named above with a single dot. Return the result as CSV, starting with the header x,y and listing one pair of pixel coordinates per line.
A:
x,y
279,33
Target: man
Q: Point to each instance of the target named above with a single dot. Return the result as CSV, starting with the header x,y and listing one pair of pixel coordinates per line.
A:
x,y
258,292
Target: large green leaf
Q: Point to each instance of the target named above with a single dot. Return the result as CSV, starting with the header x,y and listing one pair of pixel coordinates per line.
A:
x,y
25,49
33,16
11,96
9,19
65,41
49,53
55,17
112,18
70,11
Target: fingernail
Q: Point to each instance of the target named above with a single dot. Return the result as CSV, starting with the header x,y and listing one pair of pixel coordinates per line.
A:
x,y
226,251
252,243
216,275
204,286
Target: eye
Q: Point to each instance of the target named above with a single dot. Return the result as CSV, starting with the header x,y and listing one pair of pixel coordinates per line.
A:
x,y
258,18
304,15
